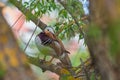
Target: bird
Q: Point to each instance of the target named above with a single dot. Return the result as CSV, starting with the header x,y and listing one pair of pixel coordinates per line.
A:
x,y
50,45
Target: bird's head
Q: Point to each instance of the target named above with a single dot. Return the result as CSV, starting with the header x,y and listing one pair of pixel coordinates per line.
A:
x,y
49,30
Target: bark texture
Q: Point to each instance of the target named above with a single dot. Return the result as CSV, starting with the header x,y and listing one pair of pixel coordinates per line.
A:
x,y
102,37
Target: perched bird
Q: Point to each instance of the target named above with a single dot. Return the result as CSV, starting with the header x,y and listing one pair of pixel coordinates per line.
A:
x,y
50,45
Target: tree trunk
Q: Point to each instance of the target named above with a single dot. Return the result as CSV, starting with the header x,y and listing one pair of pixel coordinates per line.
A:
x,y
13,62
103,37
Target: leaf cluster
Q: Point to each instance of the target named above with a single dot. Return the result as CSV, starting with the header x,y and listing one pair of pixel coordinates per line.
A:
x,y
65,26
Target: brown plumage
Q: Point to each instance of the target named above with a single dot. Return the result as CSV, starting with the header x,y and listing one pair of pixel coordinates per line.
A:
x,y
52,36
60,50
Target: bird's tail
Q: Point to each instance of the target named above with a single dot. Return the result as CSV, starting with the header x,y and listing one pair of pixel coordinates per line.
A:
x,y
66,60
67,63
67,51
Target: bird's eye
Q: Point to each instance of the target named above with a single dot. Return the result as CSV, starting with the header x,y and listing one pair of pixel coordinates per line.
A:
x,y
48,29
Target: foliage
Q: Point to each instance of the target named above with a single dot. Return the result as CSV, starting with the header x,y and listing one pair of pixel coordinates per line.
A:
x,y
65,26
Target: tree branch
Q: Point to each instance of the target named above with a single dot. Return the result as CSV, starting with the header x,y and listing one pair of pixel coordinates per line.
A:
x,y
44,65
59,69
33,18
104,22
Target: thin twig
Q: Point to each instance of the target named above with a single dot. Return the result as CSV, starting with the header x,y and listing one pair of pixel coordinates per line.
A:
x,y
84,68
81,75
86,63
31,36
89,59
16,21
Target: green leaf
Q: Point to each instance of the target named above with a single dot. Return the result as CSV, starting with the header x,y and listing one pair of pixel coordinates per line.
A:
x,y
63,13
80,36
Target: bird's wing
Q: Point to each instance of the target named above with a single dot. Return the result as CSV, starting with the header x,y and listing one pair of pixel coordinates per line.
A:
x,y
56,46
53,36
62,46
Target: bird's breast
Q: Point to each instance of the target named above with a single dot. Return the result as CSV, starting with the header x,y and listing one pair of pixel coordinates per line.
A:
x,y
45,49
38,40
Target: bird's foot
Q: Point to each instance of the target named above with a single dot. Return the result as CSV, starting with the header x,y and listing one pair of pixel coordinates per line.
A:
x,y
51,59
42,61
